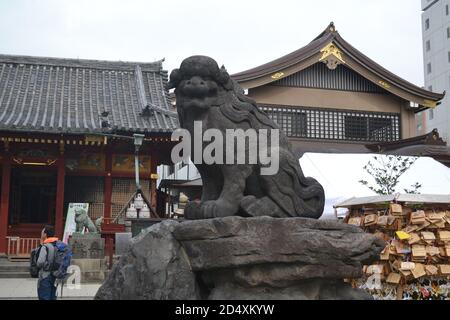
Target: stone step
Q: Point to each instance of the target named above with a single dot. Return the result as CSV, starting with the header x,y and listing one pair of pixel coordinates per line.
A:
x,y
19,259
14,275
10,268
7,261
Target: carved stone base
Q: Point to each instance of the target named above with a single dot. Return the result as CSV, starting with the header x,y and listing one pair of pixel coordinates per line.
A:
x,y
87,246
237,258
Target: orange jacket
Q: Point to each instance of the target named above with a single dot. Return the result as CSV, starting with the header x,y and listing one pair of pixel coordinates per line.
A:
x,y
51,240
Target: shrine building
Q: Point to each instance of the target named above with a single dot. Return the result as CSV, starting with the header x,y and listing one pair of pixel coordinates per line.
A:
x,y
66,128
329,97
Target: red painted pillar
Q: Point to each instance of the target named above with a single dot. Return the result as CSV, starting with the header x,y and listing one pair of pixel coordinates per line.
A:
x,y
107,188
4,202
59,228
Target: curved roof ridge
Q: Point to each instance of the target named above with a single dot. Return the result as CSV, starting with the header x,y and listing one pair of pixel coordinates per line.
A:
x,y
385,73
330,34
286,60
155,66
329,29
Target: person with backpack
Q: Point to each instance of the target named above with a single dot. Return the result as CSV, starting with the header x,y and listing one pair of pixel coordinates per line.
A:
x,y
46,284
51,260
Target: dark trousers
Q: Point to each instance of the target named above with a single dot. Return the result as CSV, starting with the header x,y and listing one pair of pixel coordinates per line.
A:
x,y
47,289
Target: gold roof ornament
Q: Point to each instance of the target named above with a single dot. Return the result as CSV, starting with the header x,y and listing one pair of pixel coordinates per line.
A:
x,y
384,84
331,56
278,75
429,103
91,139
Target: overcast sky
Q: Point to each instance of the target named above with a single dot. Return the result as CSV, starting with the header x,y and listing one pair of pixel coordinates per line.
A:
x,y
238,33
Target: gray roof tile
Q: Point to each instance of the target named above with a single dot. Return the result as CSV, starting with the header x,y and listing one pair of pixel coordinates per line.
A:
x,y
69,96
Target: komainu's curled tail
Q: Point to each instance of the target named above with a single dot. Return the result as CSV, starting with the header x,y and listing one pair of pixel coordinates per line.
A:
x,y
295,194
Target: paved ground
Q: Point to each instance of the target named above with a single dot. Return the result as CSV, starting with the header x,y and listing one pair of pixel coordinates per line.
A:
x,y
25,289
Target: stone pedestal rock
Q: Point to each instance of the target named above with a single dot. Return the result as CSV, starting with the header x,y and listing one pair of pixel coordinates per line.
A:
x,y
243,258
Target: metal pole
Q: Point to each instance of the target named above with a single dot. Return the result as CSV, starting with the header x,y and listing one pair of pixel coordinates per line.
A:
x,y
188,177
136,166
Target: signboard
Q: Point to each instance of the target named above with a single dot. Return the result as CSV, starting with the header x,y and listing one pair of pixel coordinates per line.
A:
x,y
71,225
94,162
125,163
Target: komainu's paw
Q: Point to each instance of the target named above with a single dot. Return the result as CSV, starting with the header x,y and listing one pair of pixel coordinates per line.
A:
x,y
217,209
192,211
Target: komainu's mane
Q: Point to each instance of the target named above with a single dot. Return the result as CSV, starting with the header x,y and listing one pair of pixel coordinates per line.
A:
x,y
244,109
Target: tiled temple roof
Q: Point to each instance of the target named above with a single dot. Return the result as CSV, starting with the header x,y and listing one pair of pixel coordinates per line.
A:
x,y
55,95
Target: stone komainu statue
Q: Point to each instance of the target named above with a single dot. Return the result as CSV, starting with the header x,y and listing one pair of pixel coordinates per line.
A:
x,y
82,221
208,94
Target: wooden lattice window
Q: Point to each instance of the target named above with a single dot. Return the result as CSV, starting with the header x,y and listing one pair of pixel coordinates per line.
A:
x,y
333,124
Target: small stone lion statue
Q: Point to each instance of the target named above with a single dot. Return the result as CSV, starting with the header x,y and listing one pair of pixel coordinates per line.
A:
x,y
82,221
204,92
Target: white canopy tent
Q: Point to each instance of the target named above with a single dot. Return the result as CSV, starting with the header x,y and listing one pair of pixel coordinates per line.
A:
x,y
340,174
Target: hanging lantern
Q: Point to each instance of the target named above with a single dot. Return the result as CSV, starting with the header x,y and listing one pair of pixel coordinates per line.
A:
x,y
138,201
144,212
132,212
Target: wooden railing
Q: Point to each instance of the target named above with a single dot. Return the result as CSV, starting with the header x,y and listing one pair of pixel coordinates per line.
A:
x,y
21,247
